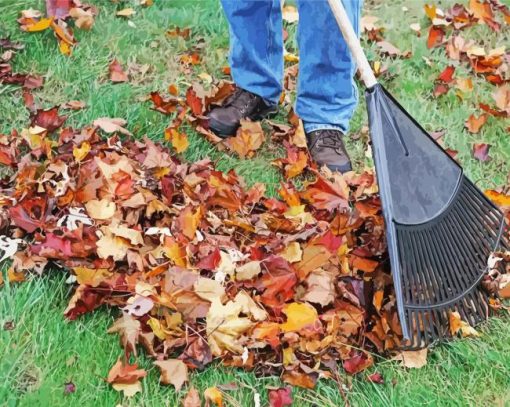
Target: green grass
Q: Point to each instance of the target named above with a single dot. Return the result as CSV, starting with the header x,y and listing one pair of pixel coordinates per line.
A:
x,y
44,351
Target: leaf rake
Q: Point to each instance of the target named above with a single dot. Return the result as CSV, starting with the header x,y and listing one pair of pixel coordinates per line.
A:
x,y
441,229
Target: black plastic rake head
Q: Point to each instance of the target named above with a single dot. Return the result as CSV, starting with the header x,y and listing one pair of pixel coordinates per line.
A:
x,y
441,230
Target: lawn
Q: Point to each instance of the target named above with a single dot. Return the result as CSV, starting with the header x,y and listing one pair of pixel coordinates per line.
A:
x,y
41,351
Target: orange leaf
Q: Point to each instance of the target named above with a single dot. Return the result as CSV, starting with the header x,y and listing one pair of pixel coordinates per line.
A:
x,y
474,124
41,25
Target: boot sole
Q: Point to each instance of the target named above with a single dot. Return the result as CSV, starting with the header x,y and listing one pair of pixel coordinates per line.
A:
x,y
222,130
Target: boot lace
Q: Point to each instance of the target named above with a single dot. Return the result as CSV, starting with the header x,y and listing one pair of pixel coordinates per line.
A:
x,y
333,141
241,100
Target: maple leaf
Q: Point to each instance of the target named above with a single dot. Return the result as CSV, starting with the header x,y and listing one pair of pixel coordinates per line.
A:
x,y
192,399
58,8
126,378
474,124
481,151
325,195
173,371
413,359
129,330
117,74
281,397
299,315
248,139
458,325
225,327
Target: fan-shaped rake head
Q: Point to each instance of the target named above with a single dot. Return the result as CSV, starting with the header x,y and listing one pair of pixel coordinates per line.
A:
x,y
440,228
442,263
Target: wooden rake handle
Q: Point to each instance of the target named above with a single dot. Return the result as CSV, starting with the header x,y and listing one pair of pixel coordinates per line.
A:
x,y
352,40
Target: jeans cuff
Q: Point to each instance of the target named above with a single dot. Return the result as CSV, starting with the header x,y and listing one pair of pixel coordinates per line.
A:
x,y
309,127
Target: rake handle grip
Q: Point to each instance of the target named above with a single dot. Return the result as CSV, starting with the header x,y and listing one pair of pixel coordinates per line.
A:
x,y
352,40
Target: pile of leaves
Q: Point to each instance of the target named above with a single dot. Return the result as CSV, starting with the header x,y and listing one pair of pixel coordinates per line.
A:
x,y
201,266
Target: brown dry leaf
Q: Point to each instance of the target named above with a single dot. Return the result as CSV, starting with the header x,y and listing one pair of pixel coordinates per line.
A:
x,y
502,98
192,399
249,138
74,105
413,359
173,371
126,12
481,151
474,124
321,288
129,330
117,74
126,378
110,125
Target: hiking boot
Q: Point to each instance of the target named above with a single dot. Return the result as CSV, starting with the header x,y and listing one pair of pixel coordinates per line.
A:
x,y
225,120
327,148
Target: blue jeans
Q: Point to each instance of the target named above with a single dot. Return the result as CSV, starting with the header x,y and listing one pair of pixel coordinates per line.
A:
x,y
327,95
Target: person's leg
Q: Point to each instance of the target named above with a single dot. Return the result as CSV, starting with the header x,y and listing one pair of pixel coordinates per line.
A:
x,y
327,94
256,46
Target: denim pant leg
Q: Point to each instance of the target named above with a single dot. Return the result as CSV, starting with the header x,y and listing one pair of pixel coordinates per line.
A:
x,y
256,46
327,93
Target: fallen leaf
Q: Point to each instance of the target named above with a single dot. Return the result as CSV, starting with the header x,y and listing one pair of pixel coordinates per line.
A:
x,y
126,12
173,371
281,397
192,399
458,325
474,124
481,151
117,74
413,359
299,315
213,395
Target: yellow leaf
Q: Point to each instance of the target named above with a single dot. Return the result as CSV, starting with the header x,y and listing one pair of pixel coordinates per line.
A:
x,y
299,315
224,327
292,253
179,140
212,394
176,253
157,328
81,152
289,57
100,210
41,25
92,277
64,47
111,245
458,325
288,356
